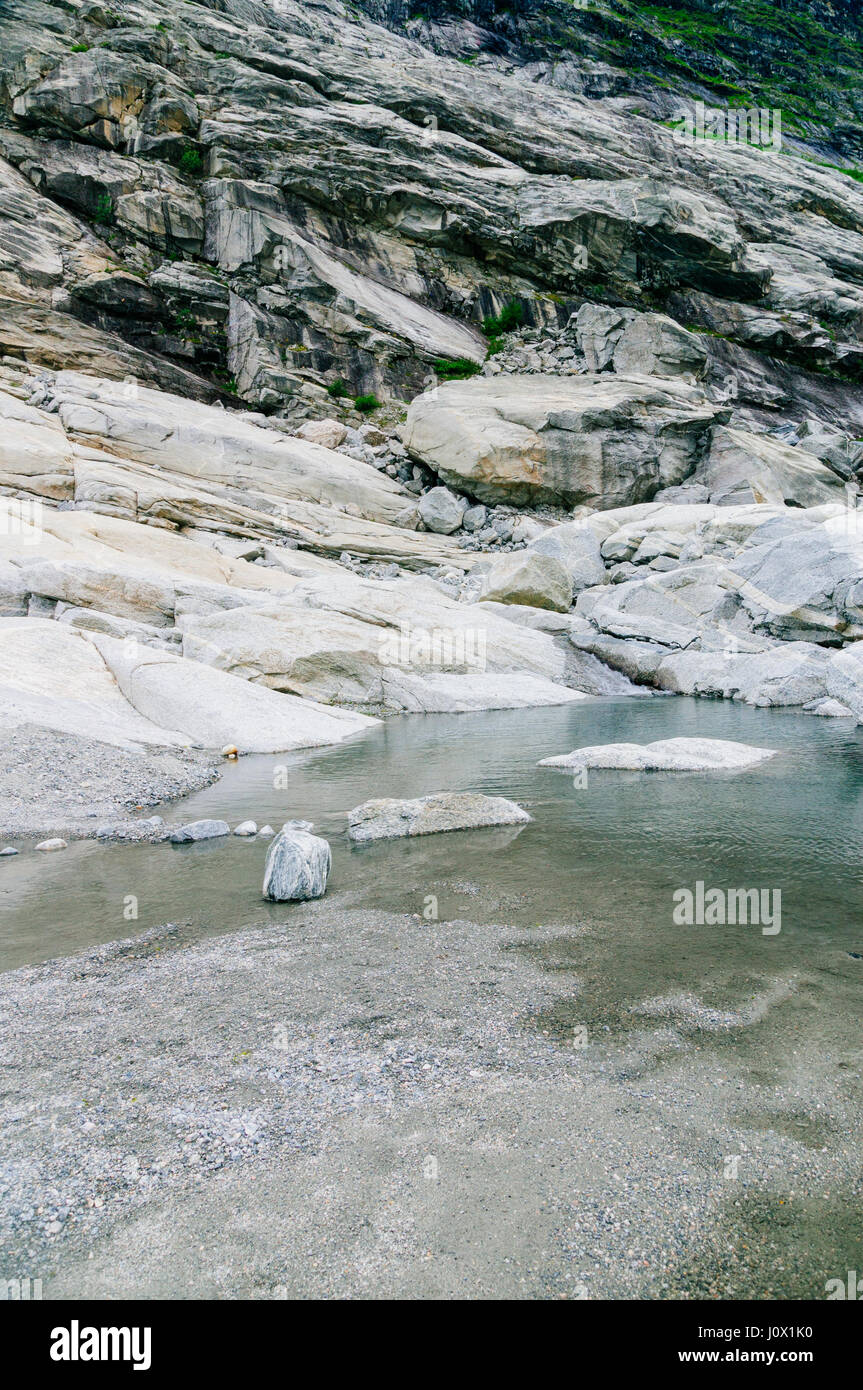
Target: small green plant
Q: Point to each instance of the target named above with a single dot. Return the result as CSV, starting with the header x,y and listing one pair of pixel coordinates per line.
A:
x,y
495,345
366,404
337,389
228,383
80,48
190,162
455,368
510,317
104,213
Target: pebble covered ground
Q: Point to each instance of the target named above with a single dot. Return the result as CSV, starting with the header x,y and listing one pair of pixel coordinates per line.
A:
x,y
55,783
359,1104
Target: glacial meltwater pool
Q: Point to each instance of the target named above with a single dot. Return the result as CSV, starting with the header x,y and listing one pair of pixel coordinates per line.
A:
x,y
610,854
600,1057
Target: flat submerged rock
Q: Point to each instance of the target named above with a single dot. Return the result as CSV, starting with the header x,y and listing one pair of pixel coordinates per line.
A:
x,y
386,819
667,755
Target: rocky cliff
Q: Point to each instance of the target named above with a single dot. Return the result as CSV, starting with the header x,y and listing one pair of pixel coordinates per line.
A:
x,y
309,311
276,201
802,56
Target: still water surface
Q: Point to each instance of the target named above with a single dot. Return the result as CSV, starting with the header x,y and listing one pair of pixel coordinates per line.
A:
x,y
610,853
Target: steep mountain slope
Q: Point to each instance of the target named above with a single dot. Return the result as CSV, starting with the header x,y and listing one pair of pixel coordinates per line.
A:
x,y
802,56
362,259
276,200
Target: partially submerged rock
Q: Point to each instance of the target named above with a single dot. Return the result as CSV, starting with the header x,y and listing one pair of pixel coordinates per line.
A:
x,y
831,709
49,845
844,679
199,830
387,818
791,673
298,864
443,693
666,755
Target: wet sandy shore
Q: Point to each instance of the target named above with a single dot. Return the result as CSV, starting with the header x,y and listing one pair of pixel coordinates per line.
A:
x,y
368,1105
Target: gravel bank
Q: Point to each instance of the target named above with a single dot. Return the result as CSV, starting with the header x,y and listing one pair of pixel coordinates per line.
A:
x,y
53,783
357,1104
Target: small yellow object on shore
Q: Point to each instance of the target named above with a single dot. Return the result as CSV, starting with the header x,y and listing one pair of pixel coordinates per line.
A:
x,y
230,752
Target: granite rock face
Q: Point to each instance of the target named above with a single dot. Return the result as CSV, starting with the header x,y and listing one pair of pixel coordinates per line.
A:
x,y
328,360
308,200
576,546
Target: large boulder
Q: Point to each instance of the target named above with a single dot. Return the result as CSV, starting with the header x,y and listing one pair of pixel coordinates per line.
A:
x,y
576,545
654,345
598,328
525,577
215,709
792,673
843,678
328,433
603,440
441,511
744,467
386,819
298,865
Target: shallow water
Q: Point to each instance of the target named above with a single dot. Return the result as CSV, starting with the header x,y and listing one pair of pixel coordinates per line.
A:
x,y
612,852
764,1058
